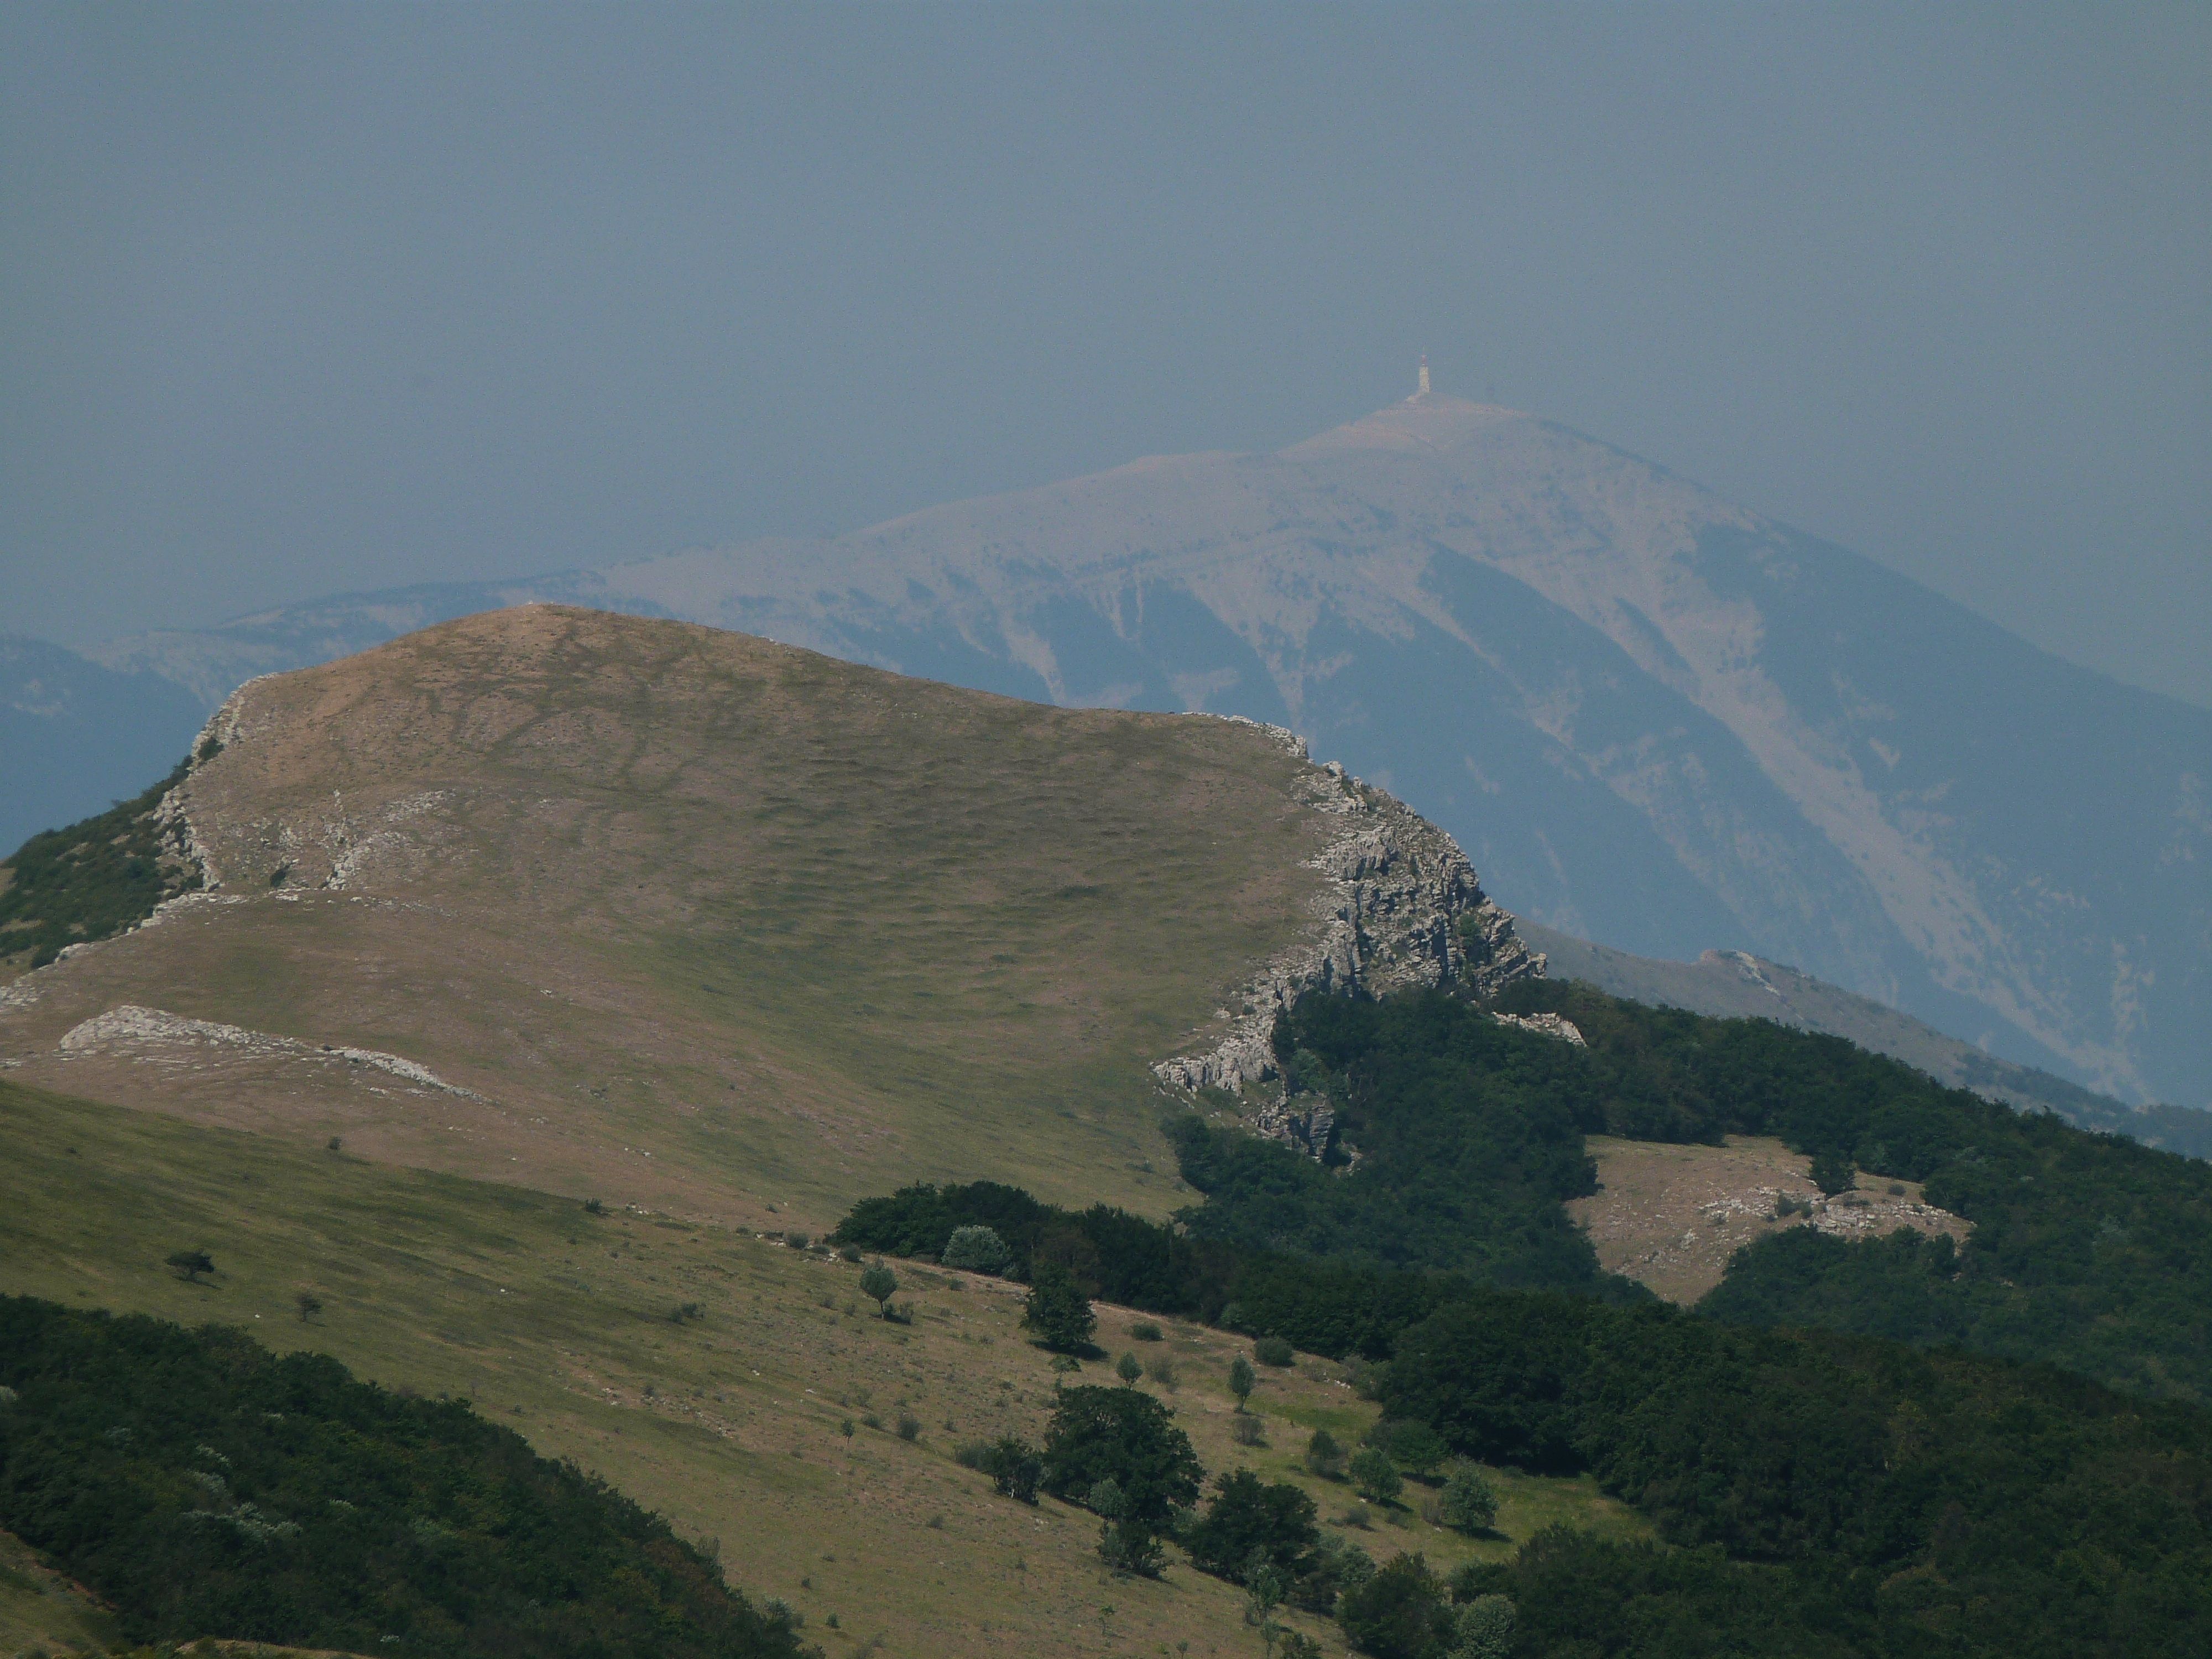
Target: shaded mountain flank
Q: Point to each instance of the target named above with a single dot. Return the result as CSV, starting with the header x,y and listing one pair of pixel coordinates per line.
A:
x,y
1652,717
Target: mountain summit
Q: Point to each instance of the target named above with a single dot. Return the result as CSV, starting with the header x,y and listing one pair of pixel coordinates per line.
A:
x,y
1652,718
598,902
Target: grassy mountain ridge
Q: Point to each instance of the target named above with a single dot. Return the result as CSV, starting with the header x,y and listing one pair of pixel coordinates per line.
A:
x,y
693,919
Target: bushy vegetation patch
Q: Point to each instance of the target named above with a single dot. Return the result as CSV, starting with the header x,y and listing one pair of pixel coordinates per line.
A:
x,y
2089,1251
92,879
204,1486
1944,1492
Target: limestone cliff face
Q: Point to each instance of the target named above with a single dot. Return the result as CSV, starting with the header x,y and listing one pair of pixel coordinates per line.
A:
x,y
1402,908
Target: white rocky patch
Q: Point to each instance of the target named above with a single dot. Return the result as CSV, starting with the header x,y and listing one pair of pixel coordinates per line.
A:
x,y
128,1028
1550,1025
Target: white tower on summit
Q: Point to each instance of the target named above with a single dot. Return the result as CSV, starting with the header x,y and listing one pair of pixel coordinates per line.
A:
x,y
1424,391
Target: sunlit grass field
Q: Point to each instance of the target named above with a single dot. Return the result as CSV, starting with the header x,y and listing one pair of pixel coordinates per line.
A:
x,y
733,1422
706,923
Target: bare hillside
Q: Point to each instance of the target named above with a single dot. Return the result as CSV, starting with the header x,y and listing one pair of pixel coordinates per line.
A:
x,y
694,921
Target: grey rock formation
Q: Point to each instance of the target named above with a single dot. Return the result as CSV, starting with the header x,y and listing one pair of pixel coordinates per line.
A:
x,y
1402,908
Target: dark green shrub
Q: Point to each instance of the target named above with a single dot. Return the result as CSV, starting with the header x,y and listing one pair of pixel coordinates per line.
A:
x,y
1832,1172
1274,1351
1244,1518
1124,1436
1243,1379
1059,1312
1469,1502
1401,1612
1376,1476
1145,1330
975,1249
1324,1456
1014,1468
1414,1447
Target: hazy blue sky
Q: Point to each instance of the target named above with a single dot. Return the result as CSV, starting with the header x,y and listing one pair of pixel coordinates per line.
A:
x,y
296,299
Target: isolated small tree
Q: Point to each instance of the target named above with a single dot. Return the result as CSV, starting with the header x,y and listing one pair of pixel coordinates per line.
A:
x,y
879,1284
1243,1379
1263,1593
1376,1476
1128,1368
1014,1468
1059,1312
309,1303
191,1264
1324,1456
1162,1371
1470,1501
1130,1546
1832,1172
975,1249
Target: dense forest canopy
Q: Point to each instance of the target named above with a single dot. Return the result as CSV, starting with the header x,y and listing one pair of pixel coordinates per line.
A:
x,y
202,1485
2089,1251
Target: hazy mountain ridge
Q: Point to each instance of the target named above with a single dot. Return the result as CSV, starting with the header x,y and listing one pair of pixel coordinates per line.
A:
x,y
1736,985
1673,725
76,736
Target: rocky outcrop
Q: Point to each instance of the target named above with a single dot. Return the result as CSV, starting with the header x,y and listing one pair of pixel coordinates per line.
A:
x,y
1550,1025
133,1031
1400,907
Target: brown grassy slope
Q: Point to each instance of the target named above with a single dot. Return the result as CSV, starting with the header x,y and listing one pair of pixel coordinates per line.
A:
x,y
709,923
1671,1214
557,1323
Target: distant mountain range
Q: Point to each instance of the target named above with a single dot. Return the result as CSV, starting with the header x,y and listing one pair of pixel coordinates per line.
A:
x,y
76,736
1736,985
1652,718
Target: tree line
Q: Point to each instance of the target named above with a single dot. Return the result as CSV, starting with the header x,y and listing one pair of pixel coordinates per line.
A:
x,y
203,1486
1846,1492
